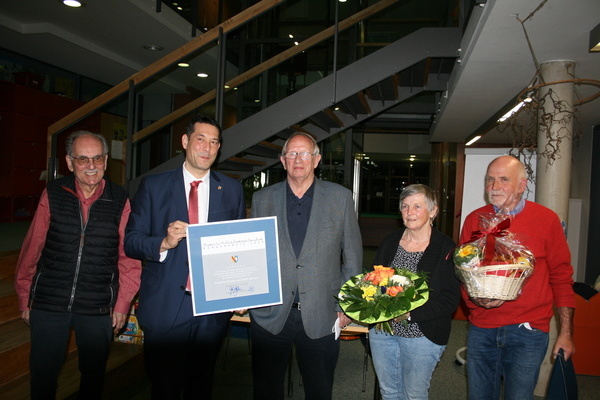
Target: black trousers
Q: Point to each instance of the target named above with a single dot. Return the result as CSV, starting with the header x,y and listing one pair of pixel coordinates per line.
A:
x,y
49,340
181,363
317,359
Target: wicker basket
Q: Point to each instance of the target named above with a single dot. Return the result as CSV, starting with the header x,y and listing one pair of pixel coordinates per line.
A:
x,y
501,282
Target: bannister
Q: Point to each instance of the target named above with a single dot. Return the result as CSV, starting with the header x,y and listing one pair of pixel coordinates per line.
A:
x,y
266,65
156,67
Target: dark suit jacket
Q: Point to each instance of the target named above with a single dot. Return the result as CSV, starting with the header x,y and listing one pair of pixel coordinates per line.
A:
x,y
331,254
160,200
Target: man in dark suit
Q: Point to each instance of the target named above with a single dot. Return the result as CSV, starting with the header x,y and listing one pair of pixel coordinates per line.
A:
x,y
320,248
180,350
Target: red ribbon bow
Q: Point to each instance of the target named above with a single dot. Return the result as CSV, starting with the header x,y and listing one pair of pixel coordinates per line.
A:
x,y
492,233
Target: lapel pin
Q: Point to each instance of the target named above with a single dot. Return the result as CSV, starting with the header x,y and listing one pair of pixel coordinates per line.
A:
x,y
219,188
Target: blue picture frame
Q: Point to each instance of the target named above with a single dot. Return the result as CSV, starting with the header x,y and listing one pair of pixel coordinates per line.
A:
x,y
234,265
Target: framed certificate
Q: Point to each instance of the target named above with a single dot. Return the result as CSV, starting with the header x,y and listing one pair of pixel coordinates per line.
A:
x,y
234,265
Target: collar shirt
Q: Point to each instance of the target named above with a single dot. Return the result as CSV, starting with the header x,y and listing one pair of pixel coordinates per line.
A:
x,y
518,208
203,193
298,214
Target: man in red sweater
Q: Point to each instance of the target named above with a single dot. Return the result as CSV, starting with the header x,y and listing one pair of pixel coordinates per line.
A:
x,y
508,339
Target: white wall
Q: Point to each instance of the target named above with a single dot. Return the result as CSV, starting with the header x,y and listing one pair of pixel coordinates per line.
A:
x,y
476,162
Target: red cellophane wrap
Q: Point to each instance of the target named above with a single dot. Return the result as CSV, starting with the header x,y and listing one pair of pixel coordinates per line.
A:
x,y
494,264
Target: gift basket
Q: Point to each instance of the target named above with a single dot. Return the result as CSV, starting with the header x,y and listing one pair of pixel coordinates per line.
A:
x,y
493,264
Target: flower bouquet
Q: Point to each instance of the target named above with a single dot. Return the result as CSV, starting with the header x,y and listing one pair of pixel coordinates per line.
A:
x,y
493,264
383,294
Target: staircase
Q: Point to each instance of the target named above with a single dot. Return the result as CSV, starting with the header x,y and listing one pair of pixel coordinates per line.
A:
x,y
388,79
125,366
420,62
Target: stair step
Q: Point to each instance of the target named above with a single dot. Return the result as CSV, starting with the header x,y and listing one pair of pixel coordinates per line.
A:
x,y
8,262
124,369
9,307
14,350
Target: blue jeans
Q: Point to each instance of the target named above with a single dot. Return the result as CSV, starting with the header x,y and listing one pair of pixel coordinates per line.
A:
x,y
403,365
512,352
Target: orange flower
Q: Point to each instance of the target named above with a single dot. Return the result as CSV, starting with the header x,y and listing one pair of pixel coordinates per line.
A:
x,y
380,275
392,291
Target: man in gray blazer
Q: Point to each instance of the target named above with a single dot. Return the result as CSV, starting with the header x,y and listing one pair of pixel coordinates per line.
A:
x,y
320,248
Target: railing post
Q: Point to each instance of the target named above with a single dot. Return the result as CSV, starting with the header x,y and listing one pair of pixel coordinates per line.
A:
x,y
335,50
131,117
220,98
52,160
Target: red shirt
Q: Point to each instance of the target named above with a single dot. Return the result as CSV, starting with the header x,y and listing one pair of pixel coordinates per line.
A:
x,y
551,283
130,270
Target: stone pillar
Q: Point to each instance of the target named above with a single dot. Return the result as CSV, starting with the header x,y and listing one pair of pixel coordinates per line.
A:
x,y
554,173
556,123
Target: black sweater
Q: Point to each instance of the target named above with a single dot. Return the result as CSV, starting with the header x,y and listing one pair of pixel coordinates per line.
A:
x,y
433,317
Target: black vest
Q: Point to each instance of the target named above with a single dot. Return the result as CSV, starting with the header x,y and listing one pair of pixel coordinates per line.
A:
x,y
78,268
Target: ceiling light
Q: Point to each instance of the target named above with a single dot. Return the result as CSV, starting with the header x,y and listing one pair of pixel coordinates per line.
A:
x,y
72,3
153,47
514,110
183,65
473,140
291,36
202,75
595,39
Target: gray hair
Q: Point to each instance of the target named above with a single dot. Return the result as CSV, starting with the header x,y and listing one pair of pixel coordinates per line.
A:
x,y
315,150
425,190
77,134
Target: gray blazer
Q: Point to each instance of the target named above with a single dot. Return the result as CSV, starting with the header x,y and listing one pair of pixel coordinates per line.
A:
x,y
331,254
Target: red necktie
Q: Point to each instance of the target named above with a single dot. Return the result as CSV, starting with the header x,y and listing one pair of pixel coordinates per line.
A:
x,y
193,203
192,214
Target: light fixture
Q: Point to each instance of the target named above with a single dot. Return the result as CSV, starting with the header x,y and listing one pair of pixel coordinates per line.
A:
x,y
183,65
202,75
291,36
514,110
72,3
473,140
153,47
595,39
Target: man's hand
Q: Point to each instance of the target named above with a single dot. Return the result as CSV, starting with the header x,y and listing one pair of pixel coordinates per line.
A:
x,y
487,303
25,316
118,321
175,232
564,339
344,320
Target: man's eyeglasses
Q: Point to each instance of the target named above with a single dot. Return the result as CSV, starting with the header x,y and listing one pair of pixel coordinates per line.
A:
x,y
304,155
83,160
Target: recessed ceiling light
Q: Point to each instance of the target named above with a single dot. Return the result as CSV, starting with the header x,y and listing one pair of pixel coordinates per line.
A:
x,y
72,3
202,75
153,47
183,65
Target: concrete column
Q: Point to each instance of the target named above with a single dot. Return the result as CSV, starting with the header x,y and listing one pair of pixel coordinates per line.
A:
x,y
555,122
554,174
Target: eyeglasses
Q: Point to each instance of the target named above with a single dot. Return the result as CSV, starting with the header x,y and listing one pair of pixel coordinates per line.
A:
x,y
83,160
305,155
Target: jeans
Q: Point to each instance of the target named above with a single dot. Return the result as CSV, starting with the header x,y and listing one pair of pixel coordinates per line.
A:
x,y
49,340
404,366
511,352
